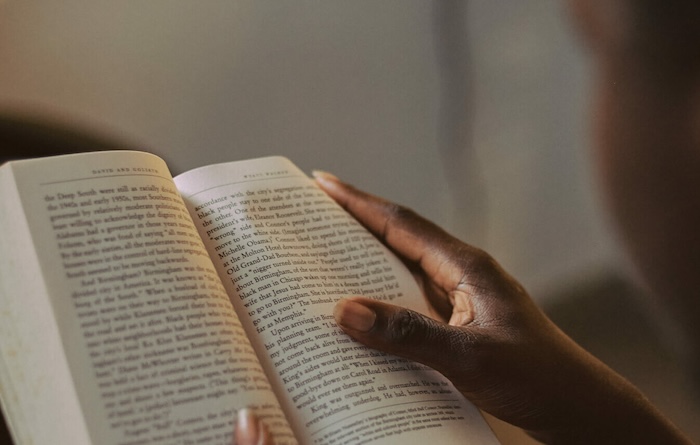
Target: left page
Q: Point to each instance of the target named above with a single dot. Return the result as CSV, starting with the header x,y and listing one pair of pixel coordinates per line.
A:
x,y
155,351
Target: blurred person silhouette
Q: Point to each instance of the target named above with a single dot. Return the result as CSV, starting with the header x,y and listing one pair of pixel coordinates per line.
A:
x,y
487,335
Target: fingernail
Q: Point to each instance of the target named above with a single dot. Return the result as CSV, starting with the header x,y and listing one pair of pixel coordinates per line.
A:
x,y
248,428
324,177
353,315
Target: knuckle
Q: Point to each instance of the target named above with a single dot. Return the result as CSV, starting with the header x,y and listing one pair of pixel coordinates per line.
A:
x,y
404,327
483,263
482,270
409,329
397,212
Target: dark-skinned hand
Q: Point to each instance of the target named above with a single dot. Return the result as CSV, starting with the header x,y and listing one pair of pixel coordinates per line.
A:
x,y
489,338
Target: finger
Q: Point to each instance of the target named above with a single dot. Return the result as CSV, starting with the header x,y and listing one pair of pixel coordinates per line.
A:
x,y
265,436
451,264
250,430
408,334
412,237
397,226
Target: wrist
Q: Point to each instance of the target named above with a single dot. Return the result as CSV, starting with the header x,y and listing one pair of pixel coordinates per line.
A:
x,y
610,410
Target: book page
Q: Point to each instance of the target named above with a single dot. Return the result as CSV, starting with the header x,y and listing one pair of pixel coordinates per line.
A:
x,y
29,339
155,349
286,253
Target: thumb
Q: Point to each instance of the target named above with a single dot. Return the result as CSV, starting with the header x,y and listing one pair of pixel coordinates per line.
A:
x,y
406,333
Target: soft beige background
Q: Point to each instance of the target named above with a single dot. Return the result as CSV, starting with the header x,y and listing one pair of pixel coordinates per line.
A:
x,y
471,113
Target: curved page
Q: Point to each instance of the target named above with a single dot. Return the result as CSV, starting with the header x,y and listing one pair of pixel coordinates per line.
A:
x,y
286,252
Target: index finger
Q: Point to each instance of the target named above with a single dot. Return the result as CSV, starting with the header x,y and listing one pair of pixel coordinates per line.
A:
x,y
441,256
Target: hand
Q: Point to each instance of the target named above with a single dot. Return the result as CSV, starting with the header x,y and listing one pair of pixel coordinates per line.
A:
x,y
250,430
490,339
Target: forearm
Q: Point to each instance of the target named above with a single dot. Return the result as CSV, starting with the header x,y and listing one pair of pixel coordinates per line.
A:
x,y
599,406
629,421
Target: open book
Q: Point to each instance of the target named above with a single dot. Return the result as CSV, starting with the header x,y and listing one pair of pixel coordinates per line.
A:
x,y
140,309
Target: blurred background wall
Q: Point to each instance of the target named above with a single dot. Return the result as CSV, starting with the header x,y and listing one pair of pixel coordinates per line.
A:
x,y
474,114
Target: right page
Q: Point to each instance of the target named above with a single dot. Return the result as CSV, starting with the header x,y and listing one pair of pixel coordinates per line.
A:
x,y
286,253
